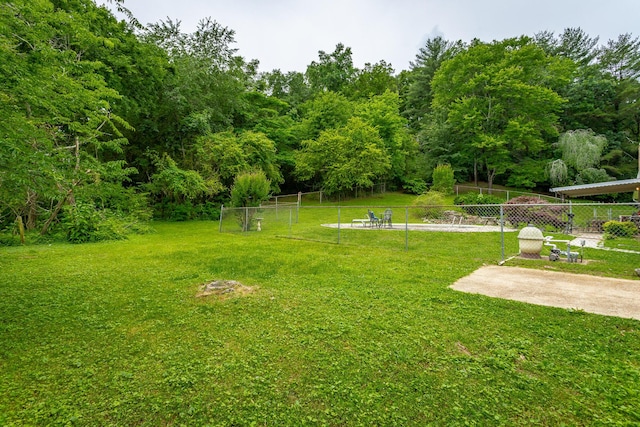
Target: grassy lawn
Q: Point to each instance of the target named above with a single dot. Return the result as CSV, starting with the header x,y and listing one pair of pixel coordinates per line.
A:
x,y
359,333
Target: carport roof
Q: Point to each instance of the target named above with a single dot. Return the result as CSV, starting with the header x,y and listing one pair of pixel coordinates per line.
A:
x,y
609,187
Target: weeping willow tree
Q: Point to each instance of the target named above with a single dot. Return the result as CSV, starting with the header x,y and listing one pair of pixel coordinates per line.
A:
x,y
581,151
582,148
558,172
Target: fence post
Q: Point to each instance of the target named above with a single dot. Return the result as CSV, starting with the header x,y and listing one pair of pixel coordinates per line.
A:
x,y
246,219
320,196
338,224
276,208
502,232
221,213
406,228
290,216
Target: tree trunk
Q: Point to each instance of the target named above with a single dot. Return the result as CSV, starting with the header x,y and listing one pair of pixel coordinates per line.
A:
x,y
475,171
77,154
32,209
55,212
20,228
491,173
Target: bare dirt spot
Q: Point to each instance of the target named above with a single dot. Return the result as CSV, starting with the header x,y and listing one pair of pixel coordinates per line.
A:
x,y
225,288
593,294
462,349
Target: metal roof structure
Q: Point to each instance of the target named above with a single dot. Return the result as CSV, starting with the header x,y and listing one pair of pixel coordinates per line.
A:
x,y
609,187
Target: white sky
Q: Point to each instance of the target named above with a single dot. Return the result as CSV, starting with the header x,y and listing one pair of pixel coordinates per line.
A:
x,y
287,34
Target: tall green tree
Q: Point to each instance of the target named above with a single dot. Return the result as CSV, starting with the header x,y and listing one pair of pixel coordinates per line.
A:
x,y
498,101
222,156
333,72
383,113
291,87
327,110
59,132
419,94
591,98
577,45
343,158
620,59
373,80
581,153
204,91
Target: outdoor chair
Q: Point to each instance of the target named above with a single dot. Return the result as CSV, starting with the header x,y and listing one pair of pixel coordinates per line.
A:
x,y
363,221
373,219
386,218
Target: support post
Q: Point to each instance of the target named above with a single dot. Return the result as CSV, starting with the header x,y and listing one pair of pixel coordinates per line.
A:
x,y
406,228
338,224
502,233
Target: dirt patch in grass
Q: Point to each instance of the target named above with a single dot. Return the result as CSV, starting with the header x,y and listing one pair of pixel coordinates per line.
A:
x,y
224,288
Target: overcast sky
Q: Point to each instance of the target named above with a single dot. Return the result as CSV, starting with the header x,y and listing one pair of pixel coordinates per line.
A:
x,y
287,34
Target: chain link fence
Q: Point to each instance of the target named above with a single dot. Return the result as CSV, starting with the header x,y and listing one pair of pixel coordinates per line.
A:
x,y
504,194
599,226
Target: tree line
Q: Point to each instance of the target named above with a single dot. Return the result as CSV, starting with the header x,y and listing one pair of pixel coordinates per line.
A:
x,y
105,122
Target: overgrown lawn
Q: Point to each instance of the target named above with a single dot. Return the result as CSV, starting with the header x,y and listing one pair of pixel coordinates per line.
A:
x,y
350,334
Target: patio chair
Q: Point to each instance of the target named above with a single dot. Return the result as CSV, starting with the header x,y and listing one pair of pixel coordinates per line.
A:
x,y
386,218
373,219
363,221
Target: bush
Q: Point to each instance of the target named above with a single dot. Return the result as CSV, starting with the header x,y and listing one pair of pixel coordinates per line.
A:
x,y
470,203
430,205
249,189
79,222
82,223
9,239
414,186
443,180
208,211
540,213
186,211
613,229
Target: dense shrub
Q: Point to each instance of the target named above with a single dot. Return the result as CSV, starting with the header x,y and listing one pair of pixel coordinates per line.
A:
x,y
613,229
443,180
186,211
249,189
9,239
430,205
414,186
82,223
471,203
539,212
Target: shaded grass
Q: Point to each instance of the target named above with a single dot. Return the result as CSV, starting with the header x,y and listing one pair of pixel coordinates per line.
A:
x,y
361,333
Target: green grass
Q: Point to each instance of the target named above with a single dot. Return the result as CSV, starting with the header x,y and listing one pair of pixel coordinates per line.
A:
x,y
623,243
360,333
